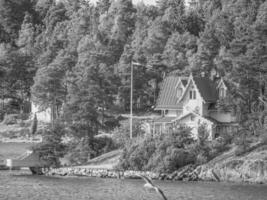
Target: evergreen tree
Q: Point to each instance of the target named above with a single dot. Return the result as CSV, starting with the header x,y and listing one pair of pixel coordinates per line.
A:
x,y
26,35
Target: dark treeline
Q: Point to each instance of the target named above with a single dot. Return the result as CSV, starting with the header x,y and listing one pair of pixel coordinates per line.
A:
x,y
75,57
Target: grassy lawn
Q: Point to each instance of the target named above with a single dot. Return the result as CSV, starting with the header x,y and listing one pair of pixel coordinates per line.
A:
x,y
13,150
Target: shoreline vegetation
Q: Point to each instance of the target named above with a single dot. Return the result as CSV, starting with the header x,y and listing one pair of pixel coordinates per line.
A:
x,y
250,168
225,165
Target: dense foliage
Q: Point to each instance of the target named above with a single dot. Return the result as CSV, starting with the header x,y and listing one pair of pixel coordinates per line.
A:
x,y
75,57
169,152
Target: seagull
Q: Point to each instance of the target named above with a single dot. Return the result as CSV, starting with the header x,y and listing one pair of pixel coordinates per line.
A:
x,y
150,185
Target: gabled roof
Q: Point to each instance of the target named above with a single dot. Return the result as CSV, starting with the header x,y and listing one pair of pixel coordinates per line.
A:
x,y
166,120
206,88
222,82
183,80
168,94
211,120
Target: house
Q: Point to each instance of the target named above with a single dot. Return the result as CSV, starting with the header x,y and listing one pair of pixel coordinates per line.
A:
x,y
191,101
43,115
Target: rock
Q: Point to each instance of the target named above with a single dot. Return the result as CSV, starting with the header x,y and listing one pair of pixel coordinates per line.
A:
x,y
173,175
250,168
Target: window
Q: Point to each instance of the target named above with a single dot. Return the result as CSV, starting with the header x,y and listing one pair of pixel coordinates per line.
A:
x,y
222,92
179,92
192,94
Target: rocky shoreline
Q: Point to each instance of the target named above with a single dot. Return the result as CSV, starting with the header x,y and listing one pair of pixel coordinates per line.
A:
x,y
188,173
184,174
248,168
101,173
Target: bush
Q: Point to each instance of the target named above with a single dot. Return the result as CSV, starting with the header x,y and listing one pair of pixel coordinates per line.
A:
x,y
203,134
264,138
227,137
240,150
201,159
217,147
80,151
121,135
136,156
242,142
177,158
52,148
10,119
104,145
163,153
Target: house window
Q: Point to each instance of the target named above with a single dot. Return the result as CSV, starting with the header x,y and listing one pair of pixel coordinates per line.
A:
x,y
179,92
222,93
192,94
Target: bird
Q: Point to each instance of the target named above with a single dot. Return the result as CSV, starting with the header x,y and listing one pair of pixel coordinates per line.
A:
x,y
150,185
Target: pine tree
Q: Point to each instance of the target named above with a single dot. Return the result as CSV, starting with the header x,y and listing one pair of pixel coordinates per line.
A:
x,y
26,35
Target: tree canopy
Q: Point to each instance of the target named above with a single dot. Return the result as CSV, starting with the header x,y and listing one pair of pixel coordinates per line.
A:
x,y
77,55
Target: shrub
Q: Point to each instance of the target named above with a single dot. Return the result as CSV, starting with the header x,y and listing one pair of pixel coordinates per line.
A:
x,y
263,138
10,119
104,145
81,151
201,159
227,137
203,134
163,153
177,158
121,135
240,150
217,147
242,142
137,154
23,116
52,148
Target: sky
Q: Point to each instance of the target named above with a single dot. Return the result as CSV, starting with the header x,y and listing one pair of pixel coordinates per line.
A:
x,y
145,1
135,1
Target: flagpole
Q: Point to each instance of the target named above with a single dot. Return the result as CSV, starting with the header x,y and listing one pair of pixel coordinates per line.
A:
x,y
131,103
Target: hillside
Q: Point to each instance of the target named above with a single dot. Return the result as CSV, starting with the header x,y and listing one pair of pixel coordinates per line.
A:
x,y
250,167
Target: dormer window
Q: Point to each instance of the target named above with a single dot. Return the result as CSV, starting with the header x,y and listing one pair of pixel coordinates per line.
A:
x,y
222,89
179,92
192,94
222,92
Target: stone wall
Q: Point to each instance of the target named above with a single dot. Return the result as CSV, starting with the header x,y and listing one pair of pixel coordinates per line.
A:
x,y
101,173
186,173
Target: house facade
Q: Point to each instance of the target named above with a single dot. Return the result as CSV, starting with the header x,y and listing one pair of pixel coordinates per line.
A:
x,y
191,101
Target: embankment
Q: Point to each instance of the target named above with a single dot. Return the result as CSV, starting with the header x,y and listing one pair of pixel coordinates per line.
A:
x,y
250,167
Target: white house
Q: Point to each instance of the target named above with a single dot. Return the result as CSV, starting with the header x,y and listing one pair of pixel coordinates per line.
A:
x,y
43,115
191,101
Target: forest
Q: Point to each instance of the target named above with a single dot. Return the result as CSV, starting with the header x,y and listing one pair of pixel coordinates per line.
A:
x,y
74,56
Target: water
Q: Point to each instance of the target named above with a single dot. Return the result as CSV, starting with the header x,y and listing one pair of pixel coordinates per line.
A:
x,y
16,185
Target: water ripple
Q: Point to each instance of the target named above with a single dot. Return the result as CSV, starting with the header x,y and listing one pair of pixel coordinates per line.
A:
x,y
18,186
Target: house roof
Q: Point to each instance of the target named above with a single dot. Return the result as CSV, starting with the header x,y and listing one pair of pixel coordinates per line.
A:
x,y
165,120
168,98
213,121
168,95
207,89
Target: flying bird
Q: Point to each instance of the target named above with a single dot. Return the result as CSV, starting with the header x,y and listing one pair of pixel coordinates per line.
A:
x,y
150,185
